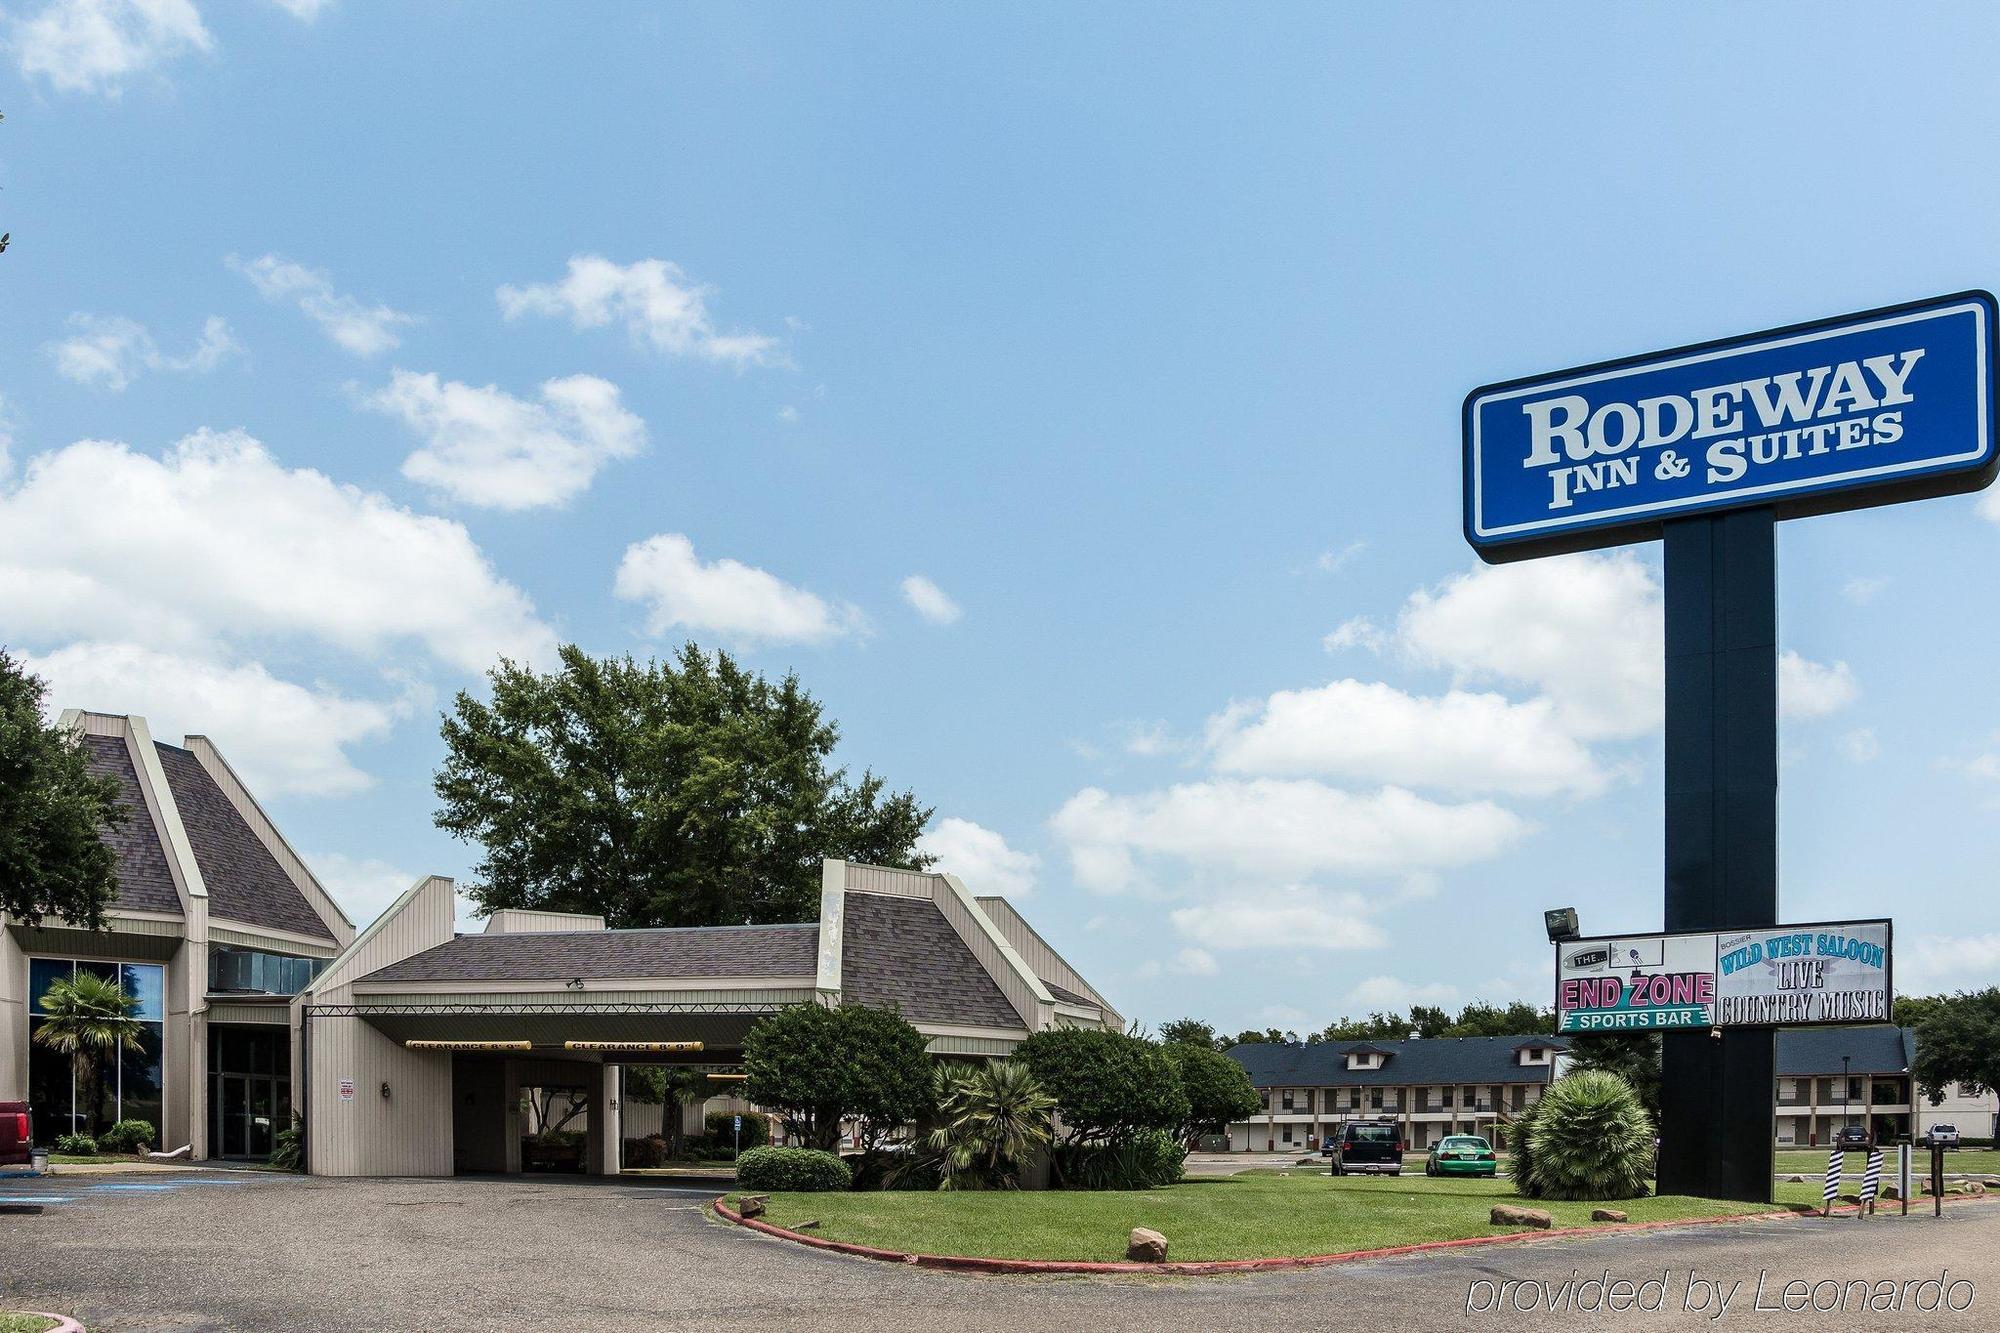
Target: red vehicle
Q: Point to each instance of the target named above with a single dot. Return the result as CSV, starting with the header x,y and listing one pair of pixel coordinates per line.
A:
x,y
15,1140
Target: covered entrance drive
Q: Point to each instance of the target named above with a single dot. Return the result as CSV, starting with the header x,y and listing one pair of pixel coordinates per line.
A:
x,y
537,1088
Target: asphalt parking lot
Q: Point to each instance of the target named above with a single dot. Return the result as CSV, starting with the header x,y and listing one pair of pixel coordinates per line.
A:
x,y
285,1253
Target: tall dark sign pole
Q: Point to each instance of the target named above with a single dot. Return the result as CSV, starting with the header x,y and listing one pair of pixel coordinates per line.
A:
x,y
1721,835
1706,448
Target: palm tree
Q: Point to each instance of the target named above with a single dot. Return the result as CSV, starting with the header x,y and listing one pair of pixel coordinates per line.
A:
x,y
994,1117
86,1018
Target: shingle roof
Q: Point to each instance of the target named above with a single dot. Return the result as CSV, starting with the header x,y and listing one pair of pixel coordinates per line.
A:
x,y
686,951
1436,1060
901,952
1429,1060
245,882
1067,996
145,884
1871,1050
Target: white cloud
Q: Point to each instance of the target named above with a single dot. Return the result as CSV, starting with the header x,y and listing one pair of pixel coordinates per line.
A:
x,y
980,857
789,415
1989,505
109,352
282,737
1194,963
483,446
930,601
738,602
1382,995
6,440
1333,561
1153,740
1283,918
305,11
1355,632
1934,962
1812,689
1584,630
1860,745
93,46
1370,732
363,886
1862,591
361,329
216,542
1269,829
655,301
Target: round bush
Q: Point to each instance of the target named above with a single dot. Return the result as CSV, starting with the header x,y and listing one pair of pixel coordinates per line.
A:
x,y
128,1136
803,1170
1588,1138
76,1145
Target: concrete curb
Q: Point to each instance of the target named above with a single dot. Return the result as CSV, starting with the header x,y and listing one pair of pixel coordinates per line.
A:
x,y
63,1324
976,1264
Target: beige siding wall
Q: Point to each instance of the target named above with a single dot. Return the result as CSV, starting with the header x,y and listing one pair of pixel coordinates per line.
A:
x,y
515,921
407,1133
1045,961
13,1018
883,879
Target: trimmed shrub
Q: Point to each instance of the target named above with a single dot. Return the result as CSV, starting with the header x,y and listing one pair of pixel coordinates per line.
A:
x,y
1148,1160
76,1145
644,1154
128,1136
818,1068
804,1170
1588,1138
722,1130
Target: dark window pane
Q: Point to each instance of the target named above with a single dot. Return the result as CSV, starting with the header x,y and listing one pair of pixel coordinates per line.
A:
x,y
140,1072
42,974
108,971
48,1090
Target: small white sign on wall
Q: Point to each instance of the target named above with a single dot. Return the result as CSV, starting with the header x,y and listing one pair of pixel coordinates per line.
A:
x,y
347,1089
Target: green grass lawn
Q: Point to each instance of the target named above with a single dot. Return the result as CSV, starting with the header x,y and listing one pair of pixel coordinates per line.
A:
x,y
1812,1162
23,1323
1249,1216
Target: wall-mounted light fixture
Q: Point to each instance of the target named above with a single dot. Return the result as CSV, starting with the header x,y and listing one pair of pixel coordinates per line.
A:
x,y
385,1092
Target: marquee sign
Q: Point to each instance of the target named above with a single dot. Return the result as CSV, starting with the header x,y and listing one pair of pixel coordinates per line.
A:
x,y
1867,409
1767,976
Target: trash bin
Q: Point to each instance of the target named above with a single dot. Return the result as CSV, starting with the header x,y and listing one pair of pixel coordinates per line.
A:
x,y
38,1161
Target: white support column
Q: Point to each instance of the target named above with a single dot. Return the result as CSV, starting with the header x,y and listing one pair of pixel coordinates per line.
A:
x,y
610,1120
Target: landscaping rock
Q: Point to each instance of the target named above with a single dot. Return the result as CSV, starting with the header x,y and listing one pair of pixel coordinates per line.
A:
x,y
1608,1215
1146,1246
1975,1187
752,1205
1507,1215
1795,1180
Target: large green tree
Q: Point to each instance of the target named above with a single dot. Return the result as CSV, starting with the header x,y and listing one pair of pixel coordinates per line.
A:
x,y
691,792
1108,1086
1218,1091
1958,1041
1632,1056
53,858
818,1066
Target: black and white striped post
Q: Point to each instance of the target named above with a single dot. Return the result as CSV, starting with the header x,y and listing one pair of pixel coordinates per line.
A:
x,y
1871,1183
1835,1162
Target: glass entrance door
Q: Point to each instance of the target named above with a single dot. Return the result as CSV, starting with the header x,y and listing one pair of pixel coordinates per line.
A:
x,y
245,1107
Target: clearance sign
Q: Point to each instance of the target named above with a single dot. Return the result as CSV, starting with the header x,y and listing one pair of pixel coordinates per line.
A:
x,y
1772,976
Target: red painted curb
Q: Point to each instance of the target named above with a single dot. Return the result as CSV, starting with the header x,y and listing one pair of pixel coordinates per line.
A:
x,y
978,1264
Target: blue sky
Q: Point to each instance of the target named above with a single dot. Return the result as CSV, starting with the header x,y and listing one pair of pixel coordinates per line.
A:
x,y
346,345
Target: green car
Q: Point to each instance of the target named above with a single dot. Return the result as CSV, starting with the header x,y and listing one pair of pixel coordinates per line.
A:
x,y
1460,1155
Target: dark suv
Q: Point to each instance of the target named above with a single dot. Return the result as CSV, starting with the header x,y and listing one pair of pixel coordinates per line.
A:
x,y
1368,1146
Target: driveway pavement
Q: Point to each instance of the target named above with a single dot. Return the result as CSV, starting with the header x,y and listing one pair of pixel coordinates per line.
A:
x,y
284,1253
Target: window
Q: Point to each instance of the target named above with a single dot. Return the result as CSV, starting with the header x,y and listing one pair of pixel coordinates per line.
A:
x,y
1447,1103
1264,1098
1286,1103
259,973
114,1086
1354,1099
1287,1133
1375,1098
